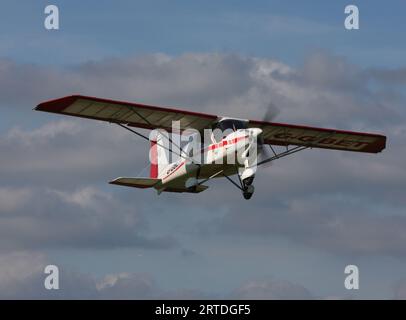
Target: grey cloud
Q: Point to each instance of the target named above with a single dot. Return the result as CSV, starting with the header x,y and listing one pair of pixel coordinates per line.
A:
x,y
190,80
128,286
271,290
389,76
326,90
143,286
321,91
331,91
187,253
48,189
400,290
83,218
336,224
323,70
22,277
66,153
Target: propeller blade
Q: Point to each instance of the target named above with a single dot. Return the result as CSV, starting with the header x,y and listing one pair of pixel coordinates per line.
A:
x,y
271,112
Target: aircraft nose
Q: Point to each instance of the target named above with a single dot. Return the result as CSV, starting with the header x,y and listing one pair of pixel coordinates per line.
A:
x,y
255,131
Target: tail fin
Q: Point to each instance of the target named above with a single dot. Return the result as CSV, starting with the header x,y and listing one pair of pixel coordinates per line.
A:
x,y
158,155
153,154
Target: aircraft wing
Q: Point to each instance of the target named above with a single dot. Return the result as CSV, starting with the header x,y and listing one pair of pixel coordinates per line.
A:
x,y
132,114
153,117
288,134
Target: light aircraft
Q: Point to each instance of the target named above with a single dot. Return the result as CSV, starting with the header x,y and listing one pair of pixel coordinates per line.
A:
x,y
247,138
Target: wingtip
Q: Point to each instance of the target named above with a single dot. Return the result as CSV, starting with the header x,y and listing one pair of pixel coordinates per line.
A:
x,y
114,181
56,105
37,107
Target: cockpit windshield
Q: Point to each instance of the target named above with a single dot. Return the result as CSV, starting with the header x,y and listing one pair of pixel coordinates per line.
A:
x,y
224,127
230,124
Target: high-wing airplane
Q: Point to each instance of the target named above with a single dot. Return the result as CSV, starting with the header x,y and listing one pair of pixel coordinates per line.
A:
x,y
243,141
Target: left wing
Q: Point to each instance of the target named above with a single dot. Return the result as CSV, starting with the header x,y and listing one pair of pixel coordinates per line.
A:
x,y
132,114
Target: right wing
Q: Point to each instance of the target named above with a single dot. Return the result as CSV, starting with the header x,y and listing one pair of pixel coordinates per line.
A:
x,y
283,134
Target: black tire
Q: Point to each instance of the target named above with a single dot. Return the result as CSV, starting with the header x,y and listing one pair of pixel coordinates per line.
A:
x,y
247,195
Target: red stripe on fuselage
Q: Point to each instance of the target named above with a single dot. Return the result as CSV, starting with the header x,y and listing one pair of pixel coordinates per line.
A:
x,y
211,147
224,143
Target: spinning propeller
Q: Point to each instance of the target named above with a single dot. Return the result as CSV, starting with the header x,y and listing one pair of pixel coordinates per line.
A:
x,y
264,150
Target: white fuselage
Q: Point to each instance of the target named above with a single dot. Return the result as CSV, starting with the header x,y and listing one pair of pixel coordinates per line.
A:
x,y
221,157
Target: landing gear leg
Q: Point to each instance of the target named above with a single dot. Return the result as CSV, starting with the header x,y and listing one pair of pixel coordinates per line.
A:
x,y
245,185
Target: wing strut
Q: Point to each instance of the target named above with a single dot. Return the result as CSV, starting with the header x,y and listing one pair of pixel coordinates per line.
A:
x,y
292,150
283,154
233,182
209,178
146,138
148,122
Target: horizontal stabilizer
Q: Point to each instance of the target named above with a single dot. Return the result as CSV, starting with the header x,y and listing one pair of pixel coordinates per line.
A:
x,y
136,182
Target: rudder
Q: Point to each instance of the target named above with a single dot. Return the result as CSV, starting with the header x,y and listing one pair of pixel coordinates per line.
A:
x,y
158,154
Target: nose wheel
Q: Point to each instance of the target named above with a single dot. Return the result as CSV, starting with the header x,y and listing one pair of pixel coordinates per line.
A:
x,y
248,192
248,188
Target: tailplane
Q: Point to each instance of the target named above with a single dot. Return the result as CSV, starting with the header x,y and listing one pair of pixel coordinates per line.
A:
x,y
142,183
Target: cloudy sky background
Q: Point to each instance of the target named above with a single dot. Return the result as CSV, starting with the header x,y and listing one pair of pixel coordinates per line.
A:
x,y
312,214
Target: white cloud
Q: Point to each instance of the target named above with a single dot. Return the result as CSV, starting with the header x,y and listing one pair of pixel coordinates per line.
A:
x,y
13,198
86,197
271,290
22,277
61,152
43,134
326,90
17,266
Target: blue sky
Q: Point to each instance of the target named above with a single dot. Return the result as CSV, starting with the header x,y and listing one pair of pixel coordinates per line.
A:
x,y
284,30
312,214
287,31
